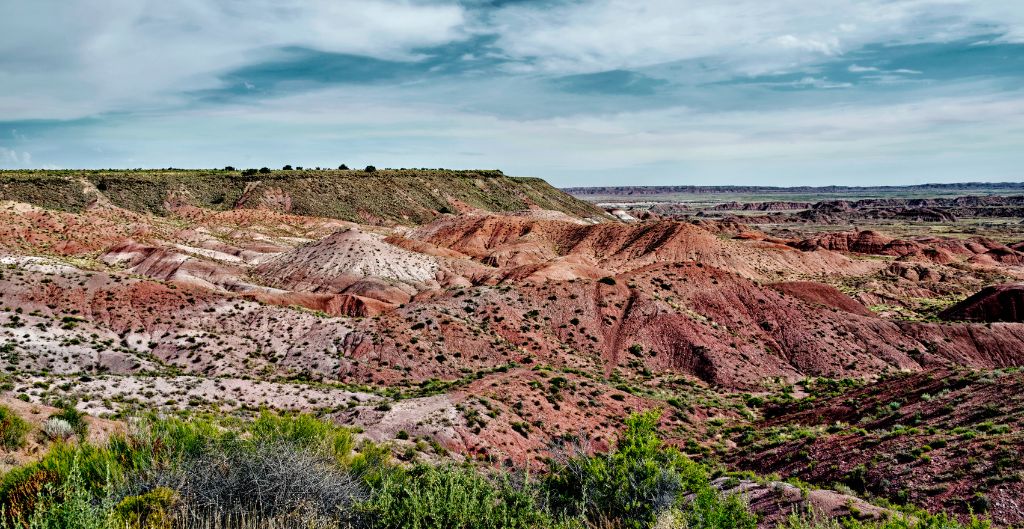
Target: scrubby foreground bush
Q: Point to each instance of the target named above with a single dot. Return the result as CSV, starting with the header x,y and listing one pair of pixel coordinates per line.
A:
x,y
298,472
262,480
631,484
13,429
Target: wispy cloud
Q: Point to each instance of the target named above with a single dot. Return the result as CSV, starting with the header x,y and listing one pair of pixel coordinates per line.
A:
x,y
68,58
13,158
751,36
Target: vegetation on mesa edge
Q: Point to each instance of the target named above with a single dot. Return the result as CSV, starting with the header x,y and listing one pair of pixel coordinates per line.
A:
x,y
412,195
297,471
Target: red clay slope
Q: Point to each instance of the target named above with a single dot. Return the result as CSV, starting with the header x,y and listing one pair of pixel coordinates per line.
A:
x,y
944,440
994,303
822,294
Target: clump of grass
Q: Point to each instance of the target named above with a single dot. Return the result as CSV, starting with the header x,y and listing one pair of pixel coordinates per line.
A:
x,y
71,417
65,503
58,429
66,471
708,509
304,431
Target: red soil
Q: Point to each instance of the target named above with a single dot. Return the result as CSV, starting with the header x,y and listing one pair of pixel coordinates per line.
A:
x,y
996,303
822,294
944,440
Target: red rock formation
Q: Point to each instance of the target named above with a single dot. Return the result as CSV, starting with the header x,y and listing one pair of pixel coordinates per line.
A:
x,y
995,303
822,294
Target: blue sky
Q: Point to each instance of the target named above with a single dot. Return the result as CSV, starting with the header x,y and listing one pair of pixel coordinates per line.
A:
x,y
581,92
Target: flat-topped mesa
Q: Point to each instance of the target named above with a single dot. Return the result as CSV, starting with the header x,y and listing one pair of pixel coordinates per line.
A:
x,y
709,190
382,197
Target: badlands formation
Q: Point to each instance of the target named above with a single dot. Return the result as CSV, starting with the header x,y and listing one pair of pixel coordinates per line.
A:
x,y
494,316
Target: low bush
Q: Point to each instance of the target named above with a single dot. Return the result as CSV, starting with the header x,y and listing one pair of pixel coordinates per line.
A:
x,y
65,474
304,431
74,418
449,497
57,429
13,429
149,510
709,509
258,480
66,503
632,484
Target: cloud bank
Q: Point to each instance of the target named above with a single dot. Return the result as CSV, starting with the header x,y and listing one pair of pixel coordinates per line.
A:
x,y
596,91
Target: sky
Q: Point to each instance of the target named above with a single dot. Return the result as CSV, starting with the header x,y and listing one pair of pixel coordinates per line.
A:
x,y
580,92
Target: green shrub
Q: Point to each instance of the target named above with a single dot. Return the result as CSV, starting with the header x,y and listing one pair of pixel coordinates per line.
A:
x,y
152,442
75,418
919,520
60,491
449,497
304,431
710,509
632,484
150,510
93,469
13,429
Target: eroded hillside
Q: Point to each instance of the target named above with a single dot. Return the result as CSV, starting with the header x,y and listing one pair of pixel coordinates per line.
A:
x,y
491,316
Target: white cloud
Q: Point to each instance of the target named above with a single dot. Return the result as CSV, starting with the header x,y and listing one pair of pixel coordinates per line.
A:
x,y
68,58
64,59
826,46
748,36
816,82
11,158
937,134
879,74
390,131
